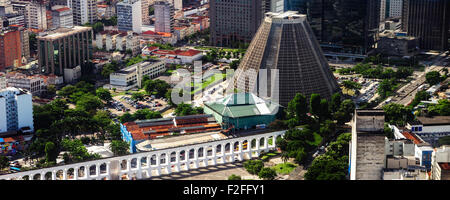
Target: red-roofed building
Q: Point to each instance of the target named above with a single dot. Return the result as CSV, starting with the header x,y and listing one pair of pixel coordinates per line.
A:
x,y
180,56
62,17
139,131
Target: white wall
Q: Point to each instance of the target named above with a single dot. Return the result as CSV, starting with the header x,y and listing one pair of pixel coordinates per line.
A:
x,y
25,111
3,124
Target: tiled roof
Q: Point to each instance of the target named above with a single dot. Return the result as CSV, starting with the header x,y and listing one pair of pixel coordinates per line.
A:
x,y
62,9
412,137
148,129
190,52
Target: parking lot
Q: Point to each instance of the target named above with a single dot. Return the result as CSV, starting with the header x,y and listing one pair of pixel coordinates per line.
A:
x,y
124,103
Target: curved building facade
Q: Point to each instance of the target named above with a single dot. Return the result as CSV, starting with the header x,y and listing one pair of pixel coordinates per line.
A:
x,y
283,59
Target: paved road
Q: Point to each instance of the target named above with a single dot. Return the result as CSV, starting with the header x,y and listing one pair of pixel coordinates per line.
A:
x,y
407,93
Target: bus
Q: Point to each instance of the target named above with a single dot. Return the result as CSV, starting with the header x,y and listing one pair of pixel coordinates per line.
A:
x,y
14,169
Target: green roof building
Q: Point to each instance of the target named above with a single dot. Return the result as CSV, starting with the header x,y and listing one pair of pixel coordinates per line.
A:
x,y
242,111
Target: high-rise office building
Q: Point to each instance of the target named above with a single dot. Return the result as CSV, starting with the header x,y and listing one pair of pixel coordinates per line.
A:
x,y
16,110
145,11
349,26
65,50
285,42
10,48
428,20
234,22
129,15
394,8
34,13
164,17
84,11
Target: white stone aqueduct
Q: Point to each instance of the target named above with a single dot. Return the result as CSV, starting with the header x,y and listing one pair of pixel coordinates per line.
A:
x,y
145,165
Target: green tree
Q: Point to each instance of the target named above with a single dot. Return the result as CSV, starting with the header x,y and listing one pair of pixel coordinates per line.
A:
x,y
335,102
119,147
138,96
4,162
89,103
388,131
33,43
234,177
326,167
51,152
187,109
109,68
314,104
324,110
159,87
102,120
351,85
253,166
345,112
127,117
433,77
300,156
397,114
386,88
51,89
103,94
267,173
67,91
297,108
442,108
420,96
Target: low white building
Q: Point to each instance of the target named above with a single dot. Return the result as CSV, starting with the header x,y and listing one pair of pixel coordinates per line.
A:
x,y
16,110
440,163
131,76
33,84
118,41
180,56
2,82
430,129
71,75
402,147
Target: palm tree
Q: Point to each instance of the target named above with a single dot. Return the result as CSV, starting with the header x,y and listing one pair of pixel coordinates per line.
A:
x,y
284,156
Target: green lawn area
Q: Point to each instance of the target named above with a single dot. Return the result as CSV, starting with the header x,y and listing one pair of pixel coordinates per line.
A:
x,y
267,156
284,168
317,140
211,80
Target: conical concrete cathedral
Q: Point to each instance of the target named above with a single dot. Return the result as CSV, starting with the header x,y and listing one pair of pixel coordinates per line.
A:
x,y
285,42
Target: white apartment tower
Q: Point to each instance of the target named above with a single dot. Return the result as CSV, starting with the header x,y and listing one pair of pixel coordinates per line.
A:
x,y
382,10
145,14
164,13
177,4
16,110
129,16
62,17
34,13
84,11
395,8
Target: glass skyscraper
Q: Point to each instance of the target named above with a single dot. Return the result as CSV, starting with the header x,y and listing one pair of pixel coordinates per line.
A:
x,y
349,26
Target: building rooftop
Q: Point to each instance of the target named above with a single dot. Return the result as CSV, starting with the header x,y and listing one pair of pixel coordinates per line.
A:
x,y
132,68
243,105
150,129
434,121
445,166
62,32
